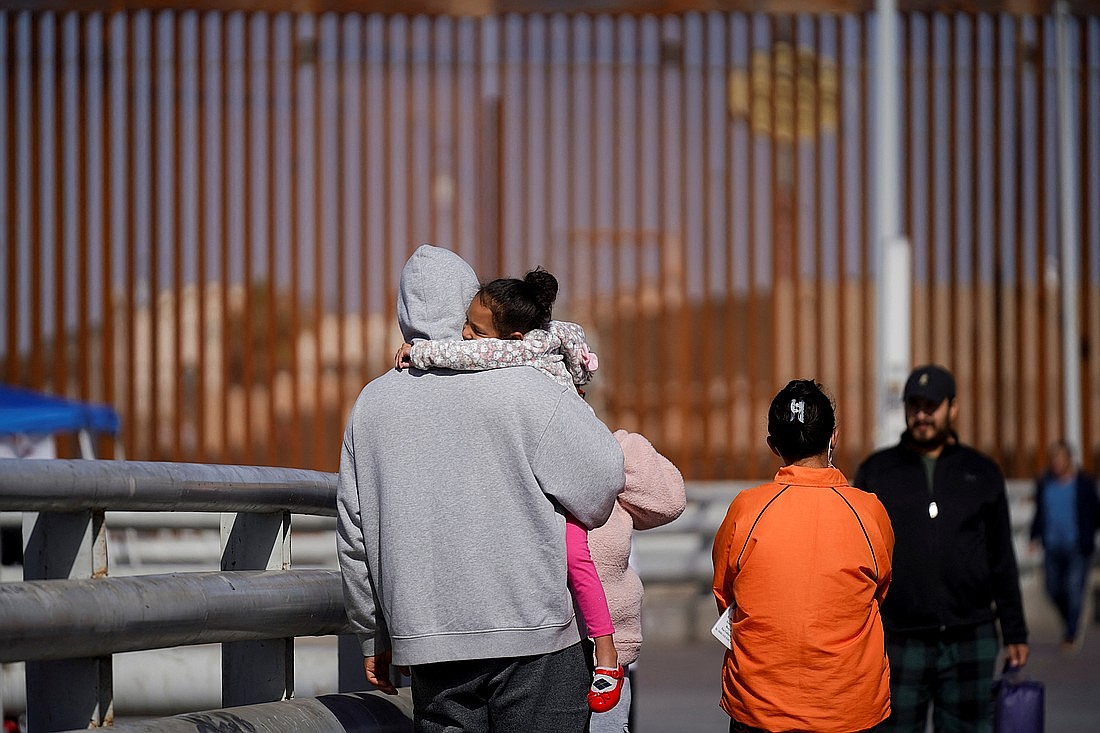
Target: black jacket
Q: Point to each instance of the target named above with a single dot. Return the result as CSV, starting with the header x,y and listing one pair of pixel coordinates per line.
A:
x,y
957,569
1088,512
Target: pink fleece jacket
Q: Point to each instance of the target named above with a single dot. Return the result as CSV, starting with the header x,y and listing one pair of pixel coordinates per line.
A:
x,y
653,495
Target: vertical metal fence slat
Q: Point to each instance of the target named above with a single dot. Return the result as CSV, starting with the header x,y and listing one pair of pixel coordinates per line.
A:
x,y
318,141
248,103
1053,370
537,163
867,280
34,208
744,326
221,109
793,148
189,307
752,223
698,230
1008,87
512,258
940,317
134,435
809,59
111,37
440,182
964,229
264,208
1038,313
202,246
96,188
386,74
690,413
984,323
332,409
1002,417
54,189
618,128
823,302
845,377
73,270
646,366
355,70
294,206
731,99
367,164
1022,300
1090,255
79,109
347,244
316,235
779,216
956,317
929,317
180,421
914,205
634,162
9,184
153,215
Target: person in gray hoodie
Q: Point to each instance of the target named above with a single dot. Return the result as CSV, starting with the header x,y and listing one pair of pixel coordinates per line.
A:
x,y
451,528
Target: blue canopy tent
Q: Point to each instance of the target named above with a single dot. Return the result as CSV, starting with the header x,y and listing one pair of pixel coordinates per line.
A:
x,y
26,413
28,422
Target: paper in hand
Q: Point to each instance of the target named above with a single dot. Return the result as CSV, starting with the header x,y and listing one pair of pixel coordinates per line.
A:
x,y
723,628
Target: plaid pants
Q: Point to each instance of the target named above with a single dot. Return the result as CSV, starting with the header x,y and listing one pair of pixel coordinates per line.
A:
x,y
952,670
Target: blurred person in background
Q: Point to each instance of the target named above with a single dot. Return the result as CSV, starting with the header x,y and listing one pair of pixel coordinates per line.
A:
x,y
1067,514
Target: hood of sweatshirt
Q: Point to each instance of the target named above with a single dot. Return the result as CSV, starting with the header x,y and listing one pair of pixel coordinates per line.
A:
x,y
435,290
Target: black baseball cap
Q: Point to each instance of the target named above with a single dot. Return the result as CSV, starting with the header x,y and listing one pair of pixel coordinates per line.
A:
x,y
930,382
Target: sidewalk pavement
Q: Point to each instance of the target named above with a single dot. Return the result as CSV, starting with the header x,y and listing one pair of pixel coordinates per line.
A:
x,y
677,685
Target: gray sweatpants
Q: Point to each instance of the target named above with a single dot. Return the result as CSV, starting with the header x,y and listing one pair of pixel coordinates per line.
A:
x,y
538,694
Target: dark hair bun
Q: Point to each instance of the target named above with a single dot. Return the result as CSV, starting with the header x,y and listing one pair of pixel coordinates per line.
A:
x,y
544,289
801,420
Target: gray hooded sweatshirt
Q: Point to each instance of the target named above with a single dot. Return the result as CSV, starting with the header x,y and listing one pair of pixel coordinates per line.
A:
x,y
451,536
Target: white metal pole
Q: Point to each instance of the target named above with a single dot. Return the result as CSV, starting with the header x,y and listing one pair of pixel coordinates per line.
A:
x,y
1071,353
893,283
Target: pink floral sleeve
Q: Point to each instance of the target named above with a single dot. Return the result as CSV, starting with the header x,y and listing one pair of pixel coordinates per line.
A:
x,y
560,351
481,354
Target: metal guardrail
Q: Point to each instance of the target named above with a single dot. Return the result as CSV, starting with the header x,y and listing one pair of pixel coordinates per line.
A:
x,y
66,618
63,619
74,485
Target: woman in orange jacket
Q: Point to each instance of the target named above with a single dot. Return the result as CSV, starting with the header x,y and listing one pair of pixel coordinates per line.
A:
x,y
802,564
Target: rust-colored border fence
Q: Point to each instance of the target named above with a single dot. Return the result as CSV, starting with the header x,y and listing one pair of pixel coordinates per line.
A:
x,y
204,213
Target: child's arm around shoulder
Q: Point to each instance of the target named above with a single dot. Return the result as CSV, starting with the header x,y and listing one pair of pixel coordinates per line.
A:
x,y
473,355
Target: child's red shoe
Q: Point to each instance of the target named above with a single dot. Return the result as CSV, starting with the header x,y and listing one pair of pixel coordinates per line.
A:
x,y
607,686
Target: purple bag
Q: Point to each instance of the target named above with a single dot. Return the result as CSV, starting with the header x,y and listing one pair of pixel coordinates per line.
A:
x,y
1017,703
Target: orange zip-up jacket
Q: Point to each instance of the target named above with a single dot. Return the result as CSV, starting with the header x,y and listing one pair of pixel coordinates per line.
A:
x,y
805,561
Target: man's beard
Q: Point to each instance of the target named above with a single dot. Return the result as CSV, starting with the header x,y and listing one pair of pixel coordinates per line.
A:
x,y
939,438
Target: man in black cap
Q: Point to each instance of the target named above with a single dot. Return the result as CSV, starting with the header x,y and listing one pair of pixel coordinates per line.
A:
x,y
955,573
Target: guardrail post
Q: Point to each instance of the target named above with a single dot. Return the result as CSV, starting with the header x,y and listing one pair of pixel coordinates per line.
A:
x,y
351,677
67,693
256,671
